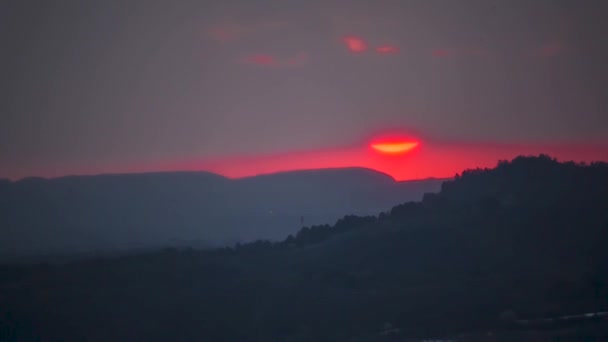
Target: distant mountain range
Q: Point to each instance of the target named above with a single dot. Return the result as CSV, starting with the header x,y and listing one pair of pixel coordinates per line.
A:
x,y
103,213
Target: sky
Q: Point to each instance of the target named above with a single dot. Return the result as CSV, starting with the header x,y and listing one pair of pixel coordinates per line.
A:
x,y
246,87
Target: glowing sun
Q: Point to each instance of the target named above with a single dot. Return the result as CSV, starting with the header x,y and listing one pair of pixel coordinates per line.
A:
x,y
395,147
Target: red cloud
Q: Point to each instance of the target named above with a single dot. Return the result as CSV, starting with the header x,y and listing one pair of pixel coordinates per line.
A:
x,y
387,49
262,59
355,44
441,53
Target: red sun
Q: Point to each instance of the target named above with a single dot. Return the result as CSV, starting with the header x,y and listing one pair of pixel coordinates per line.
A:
x,y
394,147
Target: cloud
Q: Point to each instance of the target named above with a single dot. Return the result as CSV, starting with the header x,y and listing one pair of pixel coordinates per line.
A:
x,y
227,32
269,60
299,59
261,59
387,50
550,49
442,53
355,44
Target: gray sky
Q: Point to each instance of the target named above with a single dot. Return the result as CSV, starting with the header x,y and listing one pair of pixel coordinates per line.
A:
x,y
114,82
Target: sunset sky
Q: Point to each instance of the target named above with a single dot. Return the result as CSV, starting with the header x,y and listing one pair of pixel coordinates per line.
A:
x,y
247,87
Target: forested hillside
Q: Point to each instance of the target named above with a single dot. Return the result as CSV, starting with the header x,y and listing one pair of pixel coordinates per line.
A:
x,y
528,239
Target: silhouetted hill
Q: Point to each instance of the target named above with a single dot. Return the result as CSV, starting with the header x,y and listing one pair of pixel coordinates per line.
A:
x,y
126,211
540,181
497,250
346,191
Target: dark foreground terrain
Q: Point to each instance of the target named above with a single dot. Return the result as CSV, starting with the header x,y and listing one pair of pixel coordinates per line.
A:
x,y
488,258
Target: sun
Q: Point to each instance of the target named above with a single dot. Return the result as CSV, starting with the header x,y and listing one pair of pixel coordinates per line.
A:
x,y
395,147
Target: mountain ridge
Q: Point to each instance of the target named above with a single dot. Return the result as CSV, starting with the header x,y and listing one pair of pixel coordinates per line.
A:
x,y
210,173
87,212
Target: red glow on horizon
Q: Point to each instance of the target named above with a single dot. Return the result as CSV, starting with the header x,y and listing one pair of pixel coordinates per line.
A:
x,y
434,160
355,44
